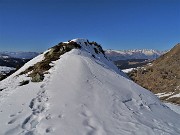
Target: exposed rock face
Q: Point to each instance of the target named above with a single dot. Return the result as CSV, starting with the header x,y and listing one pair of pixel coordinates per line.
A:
x,y
37,71
162,76
37,78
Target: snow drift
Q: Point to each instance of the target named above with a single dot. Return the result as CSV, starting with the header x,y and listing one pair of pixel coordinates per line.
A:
x,y
82,93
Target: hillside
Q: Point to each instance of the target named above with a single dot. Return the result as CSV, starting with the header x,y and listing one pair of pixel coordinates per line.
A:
x,y
162,77
73,89
9,65
12,62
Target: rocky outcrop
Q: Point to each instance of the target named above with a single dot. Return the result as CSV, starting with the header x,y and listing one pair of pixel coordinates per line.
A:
x,y
37,71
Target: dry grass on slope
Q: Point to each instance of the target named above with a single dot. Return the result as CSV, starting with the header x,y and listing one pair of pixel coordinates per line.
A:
x,y
163,76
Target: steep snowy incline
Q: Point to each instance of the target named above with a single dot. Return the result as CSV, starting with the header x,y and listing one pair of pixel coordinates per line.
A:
x,y
82,94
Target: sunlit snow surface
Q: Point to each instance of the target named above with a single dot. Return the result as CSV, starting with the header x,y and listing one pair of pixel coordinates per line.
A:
x,y
173,107
82,95
127,70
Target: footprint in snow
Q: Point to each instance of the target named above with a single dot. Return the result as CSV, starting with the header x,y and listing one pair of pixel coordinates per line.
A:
x,y
30,122
43,85
49,130
20,111
60,116
30,133
48,117
12,115
92,130
86,114
12,121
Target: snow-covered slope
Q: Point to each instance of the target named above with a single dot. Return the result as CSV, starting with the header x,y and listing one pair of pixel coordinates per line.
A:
x,y
116,55
82,94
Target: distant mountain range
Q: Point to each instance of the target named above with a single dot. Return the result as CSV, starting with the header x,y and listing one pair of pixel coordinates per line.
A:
x,y
8,61
114,55
20,55
123,58
149,54
4,56
73,89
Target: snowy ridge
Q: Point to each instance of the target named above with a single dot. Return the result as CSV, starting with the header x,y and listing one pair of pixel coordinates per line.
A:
x,y
83,93
133,54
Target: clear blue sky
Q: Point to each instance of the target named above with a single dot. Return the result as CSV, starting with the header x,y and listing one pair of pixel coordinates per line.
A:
x,y
35,25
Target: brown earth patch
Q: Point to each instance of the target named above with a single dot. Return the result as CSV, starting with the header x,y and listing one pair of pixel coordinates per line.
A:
x,y
163,76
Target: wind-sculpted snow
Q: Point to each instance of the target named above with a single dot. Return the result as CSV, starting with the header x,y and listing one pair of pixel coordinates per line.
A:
x,y
82,94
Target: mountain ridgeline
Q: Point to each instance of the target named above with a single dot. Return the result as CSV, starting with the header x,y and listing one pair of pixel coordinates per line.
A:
x,y
148,54
38,70
125,59
73,89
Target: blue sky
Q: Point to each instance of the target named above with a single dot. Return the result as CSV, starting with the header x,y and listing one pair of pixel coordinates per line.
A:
x,y
35,25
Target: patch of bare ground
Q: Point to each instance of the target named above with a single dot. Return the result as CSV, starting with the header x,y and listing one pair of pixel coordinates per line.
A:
x,y
162,76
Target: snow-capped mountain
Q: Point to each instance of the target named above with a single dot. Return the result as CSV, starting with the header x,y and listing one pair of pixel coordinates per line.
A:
x,y
150,54
3,56
20,55
73,89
